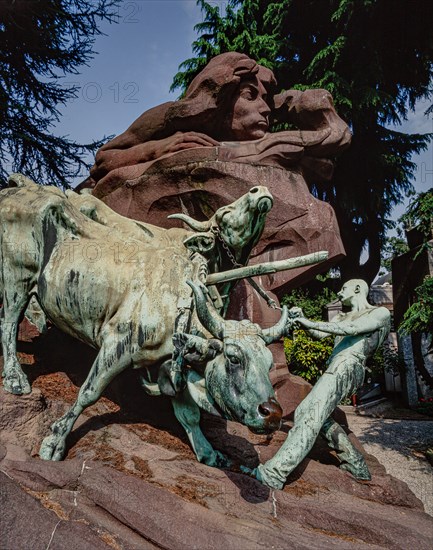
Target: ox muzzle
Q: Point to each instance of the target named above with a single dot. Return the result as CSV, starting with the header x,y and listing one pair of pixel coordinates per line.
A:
x,y
272,413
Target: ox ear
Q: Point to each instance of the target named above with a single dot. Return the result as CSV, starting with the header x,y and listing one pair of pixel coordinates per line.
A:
x,y
195,350
200,242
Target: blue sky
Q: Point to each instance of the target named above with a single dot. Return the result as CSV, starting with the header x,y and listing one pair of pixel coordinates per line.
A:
x,y
135,67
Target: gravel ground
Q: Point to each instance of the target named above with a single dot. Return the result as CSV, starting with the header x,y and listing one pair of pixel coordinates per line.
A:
x,y
393,442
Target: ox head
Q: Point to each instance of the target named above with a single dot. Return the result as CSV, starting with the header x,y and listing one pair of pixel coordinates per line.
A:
x,y
236,375
239,224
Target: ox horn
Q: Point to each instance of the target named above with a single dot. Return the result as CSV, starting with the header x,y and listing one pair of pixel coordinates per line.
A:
x,y
194,224
272,334
206,313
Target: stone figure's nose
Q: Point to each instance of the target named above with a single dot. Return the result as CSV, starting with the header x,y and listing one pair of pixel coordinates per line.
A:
x,y
264,108
272,412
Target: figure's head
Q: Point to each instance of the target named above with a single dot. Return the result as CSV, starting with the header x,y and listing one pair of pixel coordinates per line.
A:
x,y
232,97
249,117
355,289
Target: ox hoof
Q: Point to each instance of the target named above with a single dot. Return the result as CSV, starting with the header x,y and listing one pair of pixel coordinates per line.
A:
x,y
217,460
52,448
17,384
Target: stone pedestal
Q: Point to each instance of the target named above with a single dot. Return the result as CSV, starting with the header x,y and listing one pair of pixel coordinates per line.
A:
x,y
130,480
198,182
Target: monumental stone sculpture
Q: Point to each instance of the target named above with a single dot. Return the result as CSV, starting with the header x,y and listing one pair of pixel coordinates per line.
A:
x,y
200,152
359,334
129,310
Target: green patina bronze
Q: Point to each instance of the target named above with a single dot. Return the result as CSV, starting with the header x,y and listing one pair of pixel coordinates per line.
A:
x,y
137,293
359,334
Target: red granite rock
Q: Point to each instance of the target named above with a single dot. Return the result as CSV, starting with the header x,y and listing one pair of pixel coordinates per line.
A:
x,y
297,224
203,151
130,480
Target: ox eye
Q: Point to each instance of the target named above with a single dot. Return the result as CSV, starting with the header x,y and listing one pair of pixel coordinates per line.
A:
x,y
234,359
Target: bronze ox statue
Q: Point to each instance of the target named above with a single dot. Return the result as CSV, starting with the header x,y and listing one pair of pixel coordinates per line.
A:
x,y
128,308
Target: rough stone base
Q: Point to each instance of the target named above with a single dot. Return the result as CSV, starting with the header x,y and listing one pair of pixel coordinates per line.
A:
x,y
131,481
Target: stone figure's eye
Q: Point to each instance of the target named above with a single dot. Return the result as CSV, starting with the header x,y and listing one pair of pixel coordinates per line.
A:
x,y
233,355
249,94
233,358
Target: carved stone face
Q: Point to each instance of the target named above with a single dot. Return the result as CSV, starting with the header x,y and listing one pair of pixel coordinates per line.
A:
x,y
250,111
346,294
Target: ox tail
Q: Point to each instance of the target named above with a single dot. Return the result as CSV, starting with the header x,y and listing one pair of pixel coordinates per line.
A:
x,y
20,180
149,387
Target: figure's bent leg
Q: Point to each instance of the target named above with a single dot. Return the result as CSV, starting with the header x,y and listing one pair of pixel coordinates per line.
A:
x,y
104,369
310,415
351,459
14,304
188,414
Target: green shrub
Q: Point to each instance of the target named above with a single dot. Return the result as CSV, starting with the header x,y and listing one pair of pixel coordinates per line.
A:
x,y
419,317
307,357
312,305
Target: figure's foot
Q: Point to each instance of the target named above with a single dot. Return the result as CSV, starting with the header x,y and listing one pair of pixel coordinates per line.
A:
x,y
52,448
262,475
360,471
16,382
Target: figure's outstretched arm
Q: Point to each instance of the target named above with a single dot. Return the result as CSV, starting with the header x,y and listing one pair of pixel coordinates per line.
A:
x,y
374,320
314,110
149,137
316,334
295,315
110,158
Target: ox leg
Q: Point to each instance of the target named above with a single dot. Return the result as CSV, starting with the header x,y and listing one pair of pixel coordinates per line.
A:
x,y
188,414
106,367
14,379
